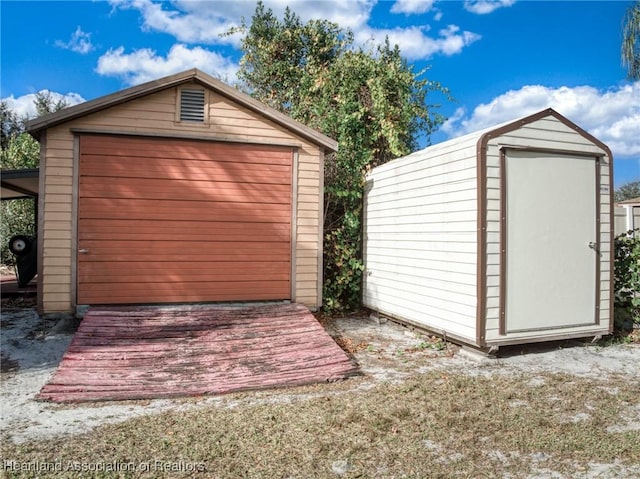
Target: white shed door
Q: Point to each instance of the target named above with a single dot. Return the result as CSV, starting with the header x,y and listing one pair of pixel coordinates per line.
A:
x,y
550,223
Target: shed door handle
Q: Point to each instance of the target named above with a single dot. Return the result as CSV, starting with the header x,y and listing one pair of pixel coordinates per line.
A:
x,y
83,251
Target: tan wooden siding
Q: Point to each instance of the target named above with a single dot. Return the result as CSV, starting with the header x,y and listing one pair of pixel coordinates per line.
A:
x,y
155,115
308,229
56,230
226,120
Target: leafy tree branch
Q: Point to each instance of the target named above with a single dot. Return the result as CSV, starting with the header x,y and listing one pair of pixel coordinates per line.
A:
x,y
367,98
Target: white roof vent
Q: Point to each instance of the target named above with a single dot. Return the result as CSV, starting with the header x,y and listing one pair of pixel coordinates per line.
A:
x,y
192,105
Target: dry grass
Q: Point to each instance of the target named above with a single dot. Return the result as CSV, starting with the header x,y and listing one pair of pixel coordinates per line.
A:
x,y
432,425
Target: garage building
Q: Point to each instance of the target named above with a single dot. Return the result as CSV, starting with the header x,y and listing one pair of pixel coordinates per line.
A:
x,y
178,190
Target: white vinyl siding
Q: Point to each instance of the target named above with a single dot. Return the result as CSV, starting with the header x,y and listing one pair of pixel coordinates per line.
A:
x,y
420,243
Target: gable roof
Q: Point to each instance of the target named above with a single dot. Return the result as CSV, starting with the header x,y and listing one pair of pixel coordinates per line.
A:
x,y
498,130
480,138
36,126
630,201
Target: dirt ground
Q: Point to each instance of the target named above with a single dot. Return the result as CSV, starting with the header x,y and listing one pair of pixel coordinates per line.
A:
x,y
32,347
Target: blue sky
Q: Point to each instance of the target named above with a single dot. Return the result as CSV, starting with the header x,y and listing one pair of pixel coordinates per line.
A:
x,y
501,59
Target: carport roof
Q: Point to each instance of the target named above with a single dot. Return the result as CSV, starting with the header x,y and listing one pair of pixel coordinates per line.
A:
x,y
18,184
36,126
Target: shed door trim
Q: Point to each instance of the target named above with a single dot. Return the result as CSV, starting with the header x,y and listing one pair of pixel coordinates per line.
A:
x,y
482,147
504,229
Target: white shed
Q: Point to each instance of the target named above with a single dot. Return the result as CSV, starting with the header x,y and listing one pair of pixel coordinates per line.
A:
x,y
498,237
627,215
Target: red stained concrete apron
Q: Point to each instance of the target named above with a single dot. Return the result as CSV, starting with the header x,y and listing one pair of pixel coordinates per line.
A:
x,y
145,352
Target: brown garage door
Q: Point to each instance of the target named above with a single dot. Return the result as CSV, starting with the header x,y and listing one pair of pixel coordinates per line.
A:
x,y
165,220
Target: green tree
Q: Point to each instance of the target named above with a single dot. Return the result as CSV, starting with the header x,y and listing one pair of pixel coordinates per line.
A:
x,y
17,216
10,123
20,150
45,103
368,99
630,49
627,191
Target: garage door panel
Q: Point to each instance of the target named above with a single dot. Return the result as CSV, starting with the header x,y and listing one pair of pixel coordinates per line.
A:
x,y
151,230
125,257
124,165
122,288
96,187
168,205
130,293
194,152
107,248
268,174
185,277
245,193
187,150
191,210
214,215
176,221
92,269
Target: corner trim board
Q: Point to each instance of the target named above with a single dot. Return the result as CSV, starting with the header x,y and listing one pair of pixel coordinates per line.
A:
x,y
40,241
294,215
320,228
74,221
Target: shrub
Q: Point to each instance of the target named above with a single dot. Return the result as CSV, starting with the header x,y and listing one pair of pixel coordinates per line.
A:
x,y
627,277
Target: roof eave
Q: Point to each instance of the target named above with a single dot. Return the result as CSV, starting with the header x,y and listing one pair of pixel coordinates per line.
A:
x,y
36,126
259,107
514,125
629,202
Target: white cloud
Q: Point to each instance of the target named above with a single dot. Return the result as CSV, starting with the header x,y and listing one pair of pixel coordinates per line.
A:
x,y
189,22
483,7
80,42
145,64
612,116
416,45
24,105
203,22
352,14
412,6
